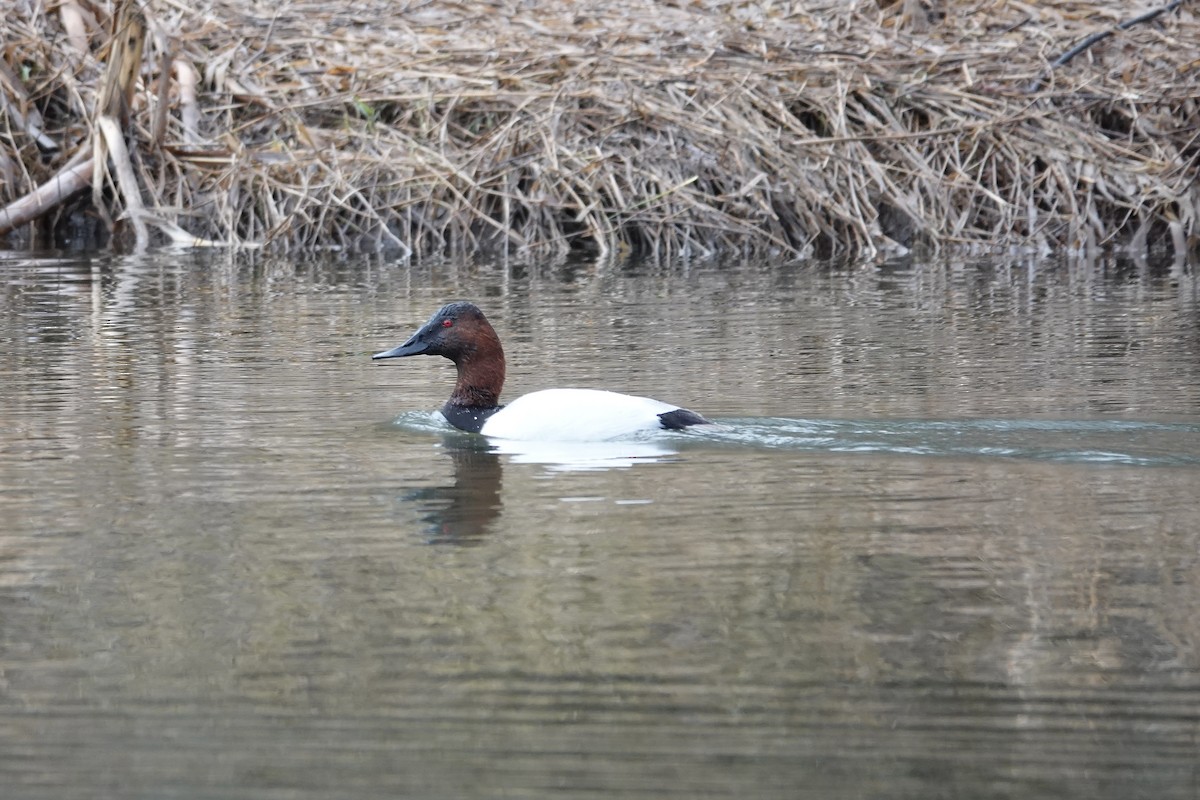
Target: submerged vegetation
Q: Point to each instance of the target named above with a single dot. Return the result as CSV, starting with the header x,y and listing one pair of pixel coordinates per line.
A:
x,y
786,128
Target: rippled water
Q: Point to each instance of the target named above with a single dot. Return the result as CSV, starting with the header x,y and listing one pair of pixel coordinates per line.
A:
x,y
947,543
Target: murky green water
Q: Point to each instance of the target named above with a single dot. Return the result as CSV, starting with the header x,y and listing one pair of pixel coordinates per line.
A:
x,y
949,545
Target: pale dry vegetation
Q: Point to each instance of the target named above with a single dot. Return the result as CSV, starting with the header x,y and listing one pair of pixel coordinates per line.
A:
x,y
670,127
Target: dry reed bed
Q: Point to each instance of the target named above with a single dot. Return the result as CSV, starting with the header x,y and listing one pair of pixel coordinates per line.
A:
x,y
676,127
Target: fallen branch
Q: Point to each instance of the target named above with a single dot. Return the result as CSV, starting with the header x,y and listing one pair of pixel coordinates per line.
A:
x,y
126,180
1098,36
74,177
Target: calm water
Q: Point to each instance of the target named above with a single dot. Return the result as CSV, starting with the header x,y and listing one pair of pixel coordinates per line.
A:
x,y
947,547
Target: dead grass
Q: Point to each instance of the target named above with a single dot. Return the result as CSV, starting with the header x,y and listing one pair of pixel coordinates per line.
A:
x,y
680,127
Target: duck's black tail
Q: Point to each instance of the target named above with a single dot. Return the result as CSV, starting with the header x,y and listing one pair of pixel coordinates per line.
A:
x,y
681,418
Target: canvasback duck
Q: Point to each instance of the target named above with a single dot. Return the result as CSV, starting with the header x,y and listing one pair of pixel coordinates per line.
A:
x,y
461,333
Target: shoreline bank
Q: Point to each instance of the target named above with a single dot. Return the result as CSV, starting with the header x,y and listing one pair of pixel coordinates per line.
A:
x,y
786,129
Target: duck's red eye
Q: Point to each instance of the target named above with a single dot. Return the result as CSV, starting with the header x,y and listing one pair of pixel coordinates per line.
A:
x,y
446,323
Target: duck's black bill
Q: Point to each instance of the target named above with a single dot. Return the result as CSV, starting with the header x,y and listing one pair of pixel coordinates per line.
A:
x,y
413,347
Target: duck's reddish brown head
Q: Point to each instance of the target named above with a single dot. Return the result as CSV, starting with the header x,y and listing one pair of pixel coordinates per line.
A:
x,y
461,333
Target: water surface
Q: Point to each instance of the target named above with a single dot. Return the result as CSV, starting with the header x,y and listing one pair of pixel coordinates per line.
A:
x,y
946,546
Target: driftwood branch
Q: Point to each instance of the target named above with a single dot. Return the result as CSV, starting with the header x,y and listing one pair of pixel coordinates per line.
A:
x,y
114,139
72,178
1098,36
113,103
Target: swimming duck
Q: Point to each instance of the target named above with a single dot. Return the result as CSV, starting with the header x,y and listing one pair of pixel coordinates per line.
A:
x,y
461,333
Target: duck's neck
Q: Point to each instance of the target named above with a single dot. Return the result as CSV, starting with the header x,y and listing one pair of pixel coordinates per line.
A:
x,y
480,373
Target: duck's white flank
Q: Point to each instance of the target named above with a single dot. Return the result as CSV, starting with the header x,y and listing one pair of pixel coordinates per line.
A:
x,y
575,415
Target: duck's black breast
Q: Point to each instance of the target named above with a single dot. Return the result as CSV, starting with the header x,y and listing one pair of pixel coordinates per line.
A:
x,y
468,418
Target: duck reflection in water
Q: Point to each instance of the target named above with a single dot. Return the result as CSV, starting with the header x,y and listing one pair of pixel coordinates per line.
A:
x,y
462,512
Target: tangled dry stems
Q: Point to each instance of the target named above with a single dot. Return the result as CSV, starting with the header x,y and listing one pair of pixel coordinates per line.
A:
x,y
674,127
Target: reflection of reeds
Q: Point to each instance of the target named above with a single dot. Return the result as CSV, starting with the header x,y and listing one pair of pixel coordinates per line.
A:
x,y
843,125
